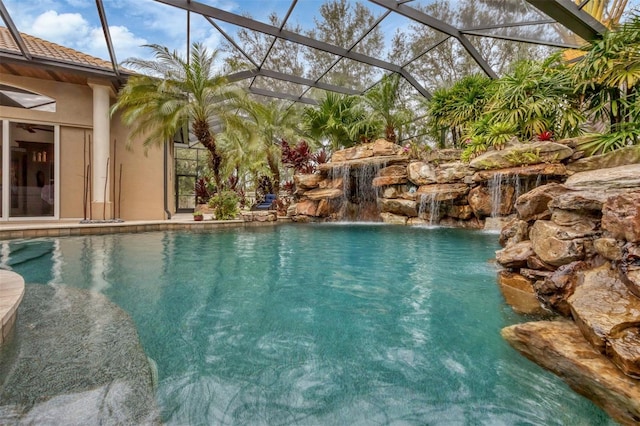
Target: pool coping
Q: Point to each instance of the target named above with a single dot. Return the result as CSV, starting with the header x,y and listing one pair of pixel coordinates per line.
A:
x,y
12,231
11,294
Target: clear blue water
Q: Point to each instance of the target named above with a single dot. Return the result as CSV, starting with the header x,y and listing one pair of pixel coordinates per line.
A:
x,y
317,324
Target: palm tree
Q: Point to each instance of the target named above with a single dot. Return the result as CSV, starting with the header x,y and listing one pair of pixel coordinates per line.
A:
x,y
270,123
175,92
341,119
383,99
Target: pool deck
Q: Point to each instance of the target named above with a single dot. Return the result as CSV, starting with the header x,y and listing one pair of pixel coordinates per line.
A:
x,y
11,293
72,227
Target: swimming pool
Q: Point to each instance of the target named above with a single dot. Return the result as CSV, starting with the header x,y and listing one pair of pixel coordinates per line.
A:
x,y
316,324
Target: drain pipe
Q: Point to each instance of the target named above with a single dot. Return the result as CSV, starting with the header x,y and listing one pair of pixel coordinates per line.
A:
x,y
166,175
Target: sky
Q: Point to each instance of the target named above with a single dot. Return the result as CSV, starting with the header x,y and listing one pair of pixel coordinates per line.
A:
x,y
134,23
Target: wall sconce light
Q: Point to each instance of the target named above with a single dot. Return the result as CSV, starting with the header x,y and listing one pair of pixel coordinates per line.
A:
x,y
39,157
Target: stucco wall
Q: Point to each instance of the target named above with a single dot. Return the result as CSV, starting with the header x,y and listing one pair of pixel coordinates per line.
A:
x,y
138,196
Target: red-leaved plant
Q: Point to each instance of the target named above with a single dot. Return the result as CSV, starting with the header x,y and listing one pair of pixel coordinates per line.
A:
x,y
299,157
544,136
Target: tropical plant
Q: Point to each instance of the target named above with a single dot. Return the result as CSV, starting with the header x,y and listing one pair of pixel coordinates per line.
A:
x,y
299,157
535,97
453,110
176,92
340,119
383,101
608,76
224,205
269,123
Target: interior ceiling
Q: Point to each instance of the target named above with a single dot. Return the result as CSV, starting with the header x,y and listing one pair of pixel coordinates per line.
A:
x,y
473,35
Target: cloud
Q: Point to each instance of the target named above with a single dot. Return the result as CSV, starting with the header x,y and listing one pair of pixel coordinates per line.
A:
x,y
125,43
67,29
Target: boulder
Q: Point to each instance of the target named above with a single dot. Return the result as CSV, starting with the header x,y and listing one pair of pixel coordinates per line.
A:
x,y
481,199
513,232
556,288
535,275
624,350
583,201
395,170
619,157
392,191
629,267
515,255
463,212
421,173
382,147
558,245
416,221
320,194
608,248
443,191
606,180
535,203
307,181
398,206
353,153
573,218
306,208
336,167
621,216
519,294
381,181
602,305
520,154
443,155
393,219
452,172
560,347
545,169
337,182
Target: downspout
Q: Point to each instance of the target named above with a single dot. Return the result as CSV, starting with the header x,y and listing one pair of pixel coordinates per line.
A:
x,y
166,177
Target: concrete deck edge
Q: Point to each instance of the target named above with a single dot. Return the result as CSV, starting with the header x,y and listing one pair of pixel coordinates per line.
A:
x,y
11,293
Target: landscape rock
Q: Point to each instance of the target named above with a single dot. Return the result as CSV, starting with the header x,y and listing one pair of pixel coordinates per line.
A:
x,y
535,203
463,212
558,245
513,232
353,153
609,248
602,305
621,216
398,206
307,181
328,193
452,172
619,157
624,349
560,347
306,207
393,219
380,181
519,294
482,201
584,201
545,169
555,290
443,155
443,191
629,267
602,180
573,218
421,173
382,147
520,154
515,255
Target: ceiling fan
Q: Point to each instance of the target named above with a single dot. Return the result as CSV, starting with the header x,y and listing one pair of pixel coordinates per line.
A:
x,y
32,128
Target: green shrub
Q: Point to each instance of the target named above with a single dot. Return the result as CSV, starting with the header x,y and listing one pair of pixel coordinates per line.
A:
x,y
225,205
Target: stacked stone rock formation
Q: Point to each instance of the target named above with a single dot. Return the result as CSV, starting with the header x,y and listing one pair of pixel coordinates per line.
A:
x,y
573,251
440,189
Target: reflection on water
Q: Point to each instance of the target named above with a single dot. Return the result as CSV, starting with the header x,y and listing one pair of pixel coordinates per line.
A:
x,y
320,324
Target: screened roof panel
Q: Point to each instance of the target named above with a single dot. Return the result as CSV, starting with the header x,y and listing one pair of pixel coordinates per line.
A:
x,y
429,42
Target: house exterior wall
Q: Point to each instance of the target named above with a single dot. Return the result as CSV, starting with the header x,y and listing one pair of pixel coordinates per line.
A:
x,y
142,189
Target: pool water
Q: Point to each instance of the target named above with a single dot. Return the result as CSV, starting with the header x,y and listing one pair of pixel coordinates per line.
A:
x,y
317,324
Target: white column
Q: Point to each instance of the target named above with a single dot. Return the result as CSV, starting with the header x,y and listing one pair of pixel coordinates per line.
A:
x,y
101,135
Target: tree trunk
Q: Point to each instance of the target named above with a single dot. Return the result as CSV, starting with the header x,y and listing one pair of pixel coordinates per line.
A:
x,y
275,174
203,133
